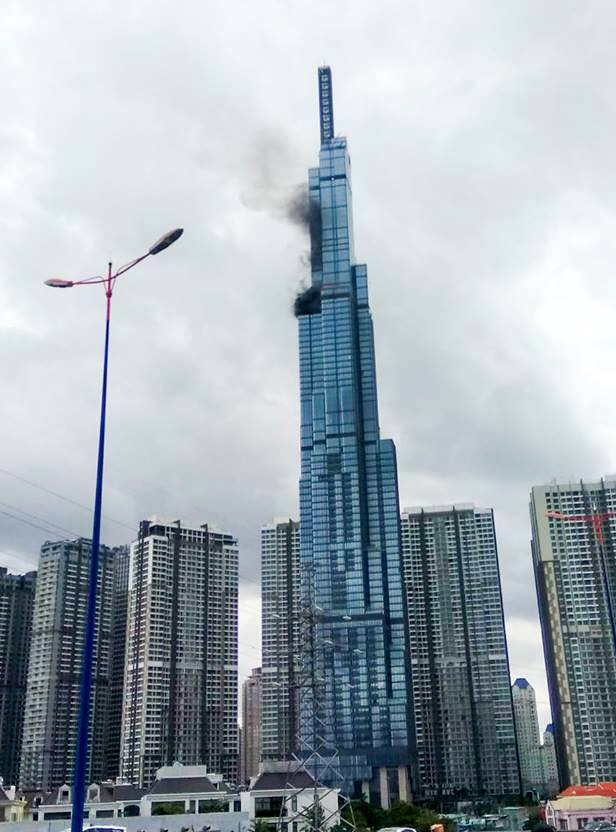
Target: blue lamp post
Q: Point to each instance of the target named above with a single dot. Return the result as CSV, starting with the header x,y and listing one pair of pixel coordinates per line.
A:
x,y
81,752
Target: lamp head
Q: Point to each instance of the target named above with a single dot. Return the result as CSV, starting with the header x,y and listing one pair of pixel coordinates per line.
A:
x,y
59,283
166,240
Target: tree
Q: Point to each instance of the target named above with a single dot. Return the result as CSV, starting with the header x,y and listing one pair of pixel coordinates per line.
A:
x,y
536,821
365,815
369,817
259,825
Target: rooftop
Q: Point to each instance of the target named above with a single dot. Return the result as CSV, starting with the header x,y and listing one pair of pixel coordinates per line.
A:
x,y
605,789
275,780
185,785
445,508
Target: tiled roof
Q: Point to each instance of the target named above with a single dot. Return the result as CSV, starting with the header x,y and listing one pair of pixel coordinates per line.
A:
x,y
582,803
605,789
271,780
127,792
184,785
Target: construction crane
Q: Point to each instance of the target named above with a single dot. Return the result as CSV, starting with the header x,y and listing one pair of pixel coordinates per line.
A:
x,y
597,519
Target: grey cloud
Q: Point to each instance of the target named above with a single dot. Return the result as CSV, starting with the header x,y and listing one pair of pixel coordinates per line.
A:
x,y
481,137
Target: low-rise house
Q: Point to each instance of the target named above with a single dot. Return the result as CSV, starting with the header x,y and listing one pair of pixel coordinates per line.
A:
x,y
281,790
191,789
103,800
13,806
576,811
177,789
286,791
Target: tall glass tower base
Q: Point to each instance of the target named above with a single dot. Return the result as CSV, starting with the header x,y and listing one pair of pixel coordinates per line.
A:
x,y
350,547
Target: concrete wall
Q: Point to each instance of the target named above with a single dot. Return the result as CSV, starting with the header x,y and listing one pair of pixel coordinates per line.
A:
x,y
221,821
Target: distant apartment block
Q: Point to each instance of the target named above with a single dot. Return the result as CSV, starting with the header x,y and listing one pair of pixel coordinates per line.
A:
x,y
180,680
574,556
527,728
16,603
280,637
549,765
250,745
54,671
464,724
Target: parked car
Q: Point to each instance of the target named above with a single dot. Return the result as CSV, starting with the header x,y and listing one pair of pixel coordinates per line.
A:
x,y
397,829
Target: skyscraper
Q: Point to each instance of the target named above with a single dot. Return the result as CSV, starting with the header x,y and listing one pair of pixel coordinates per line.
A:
x,y
465,732
349,513
250,746
574,555
279,636
527,730
180,680
54,671
16,603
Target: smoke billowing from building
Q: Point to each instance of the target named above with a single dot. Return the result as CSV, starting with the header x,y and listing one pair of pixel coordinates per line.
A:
x,y
305,212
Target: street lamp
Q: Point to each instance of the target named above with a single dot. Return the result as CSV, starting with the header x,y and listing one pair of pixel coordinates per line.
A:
x,y
81,752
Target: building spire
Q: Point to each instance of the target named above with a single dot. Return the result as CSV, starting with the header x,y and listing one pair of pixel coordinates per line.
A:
x,y
326,104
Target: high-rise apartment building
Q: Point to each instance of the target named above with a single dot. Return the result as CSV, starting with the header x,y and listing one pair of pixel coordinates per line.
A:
x,y
250,745
527,730
180,680
574,556
54,671
549,765
350,526
16,603
280,629
118,655
465,731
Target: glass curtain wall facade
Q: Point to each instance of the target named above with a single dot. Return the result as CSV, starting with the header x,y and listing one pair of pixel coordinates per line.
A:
x,y
350,549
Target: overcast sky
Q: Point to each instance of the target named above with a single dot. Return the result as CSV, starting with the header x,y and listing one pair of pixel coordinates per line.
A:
x,y
482,139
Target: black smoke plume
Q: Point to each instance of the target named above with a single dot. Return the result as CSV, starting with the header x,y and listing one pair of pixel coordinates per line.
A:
x,y
305,212
308,301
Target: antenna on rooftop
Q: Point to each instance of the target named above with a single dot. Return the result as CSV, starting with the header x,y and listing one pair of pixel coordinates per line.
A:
x,y
326,104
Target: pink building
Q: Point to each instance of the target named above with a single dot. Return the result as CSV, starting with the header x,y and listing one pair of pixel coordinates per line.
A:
x,y
573,812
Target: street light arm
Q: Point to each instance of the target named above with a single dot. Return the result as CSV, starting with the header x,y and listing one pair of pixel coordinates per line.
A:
x,y
130,265
160,245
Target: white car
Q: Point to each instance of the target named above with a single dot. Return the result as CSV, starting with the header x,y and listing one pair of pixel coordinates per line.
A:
x,y
397,829
100,827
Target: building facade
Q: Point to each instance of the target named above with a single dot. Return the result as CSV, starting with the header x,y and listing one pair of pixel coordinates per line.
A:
x,y
349,512
54,670
573,545
578,806
549,766
527,730
250,743
464,725
118,657
180,678
280,628
16,604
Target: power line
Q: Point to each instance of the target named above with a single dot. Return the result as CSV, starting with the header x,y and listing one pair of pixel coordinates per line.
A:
x,y
63,497
38,517
82,506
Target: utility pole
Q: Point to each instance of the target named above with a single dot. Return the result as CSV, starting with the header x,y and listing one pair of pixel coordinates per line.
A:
x,y
322,802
